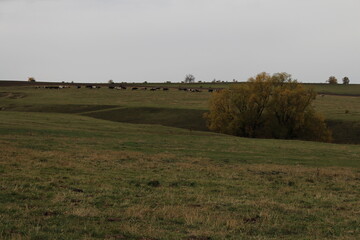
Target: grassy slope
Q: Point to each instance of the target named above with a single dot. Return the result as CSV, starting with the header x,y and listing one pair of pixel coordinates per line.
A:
x,y
352,89
129,106
66,176
74,177
342,115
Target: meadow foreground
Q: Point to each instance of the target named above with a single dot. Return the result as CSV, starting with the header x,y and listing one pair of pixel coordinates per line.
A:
x,y
67,175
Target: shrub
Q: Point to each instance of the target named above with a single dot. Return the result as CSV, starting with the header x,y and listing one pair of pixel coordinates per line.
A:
x,y
267,106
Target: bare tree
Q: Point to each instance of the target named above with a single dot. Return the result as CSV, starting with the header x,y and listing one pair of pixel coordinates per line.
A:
x,y
189,78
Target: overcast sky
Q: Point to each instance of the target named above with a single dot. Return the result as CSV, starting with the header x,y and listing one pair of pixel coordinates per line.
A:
x,y
163,40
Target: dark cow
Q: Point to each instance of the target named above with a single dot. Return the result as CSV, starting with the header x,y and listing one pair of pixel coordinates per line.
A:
x,y
194,90
165,89
52,87
120,88
134,88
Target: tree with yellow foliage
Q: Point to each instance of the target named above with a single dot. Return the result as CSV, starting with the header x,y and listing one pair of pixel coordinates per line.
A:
x,y
267,106
332,80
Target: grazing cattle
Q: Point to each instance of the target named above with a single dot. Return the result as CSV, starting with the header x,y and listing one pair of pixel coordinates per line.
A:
x,y
78,86
134,88
121,88
165,89
144,88
193,90
52,87
210,90
89,86
152,89
111,87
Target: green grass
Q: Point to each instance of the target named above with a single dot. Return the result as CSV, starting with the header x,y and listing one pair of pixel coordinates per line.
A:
x,y
341,89
104,96
169,108
342,116
73,177
339,107
66,172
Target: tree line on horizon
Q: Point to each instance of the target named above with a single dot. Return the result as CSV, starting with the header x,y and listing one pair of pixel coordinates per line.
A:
x,y
189,78
333,80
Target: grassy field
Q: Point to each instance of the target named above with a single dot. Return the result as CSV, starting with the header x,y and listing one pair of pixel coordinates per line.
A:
x,y
67,172
170,108
352,89
339,89
321,88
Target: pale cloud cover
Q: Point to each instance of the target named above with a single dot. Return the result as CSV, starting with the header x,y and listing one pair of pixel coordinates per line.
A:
x,y
163,40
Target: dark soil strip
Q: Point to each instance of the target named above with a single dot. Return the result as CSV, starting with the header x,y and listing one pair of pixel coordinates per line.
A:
x,y
181,118
339,94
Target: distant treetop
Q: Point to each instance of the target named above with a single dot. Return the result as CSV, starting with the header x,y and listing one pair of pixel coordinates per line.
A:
x,y
189,78
31,79
346,80
332,80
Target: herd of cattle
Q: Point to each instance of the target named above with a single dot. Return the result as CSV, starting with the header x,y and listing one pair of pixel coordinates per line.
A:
x,y
124,88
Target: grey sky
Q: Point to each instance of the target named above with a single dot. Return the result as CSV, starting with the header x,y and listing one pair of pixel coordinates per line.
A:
x,y
163,40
